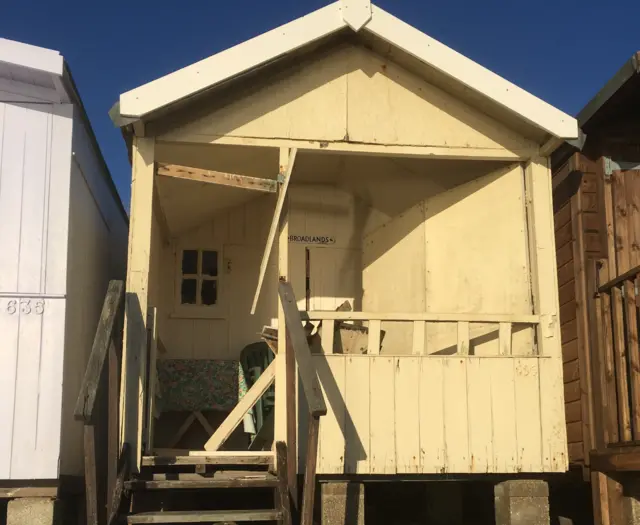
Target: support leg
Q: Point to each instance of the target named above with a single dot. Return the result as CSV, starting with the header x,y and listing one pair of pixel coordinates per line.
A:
x,y
342,503
522,502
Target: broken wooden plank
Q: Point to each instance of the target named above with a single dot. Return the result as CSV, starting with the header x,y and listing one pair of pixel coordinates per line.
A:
x,y
244,405
203,516
275,221
217,177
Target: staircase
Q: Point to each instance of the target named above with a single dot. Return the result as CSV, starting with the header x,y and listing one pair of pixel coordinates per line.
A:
x,y
238,489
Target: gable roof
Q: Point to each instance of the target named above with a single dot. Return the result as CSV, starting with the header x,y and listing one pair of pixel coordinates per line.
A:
x,y
359,15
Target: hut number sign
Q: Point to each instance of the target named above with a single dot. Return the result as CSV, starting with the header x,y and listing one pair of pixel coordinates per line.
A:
x,y
312,239
23,306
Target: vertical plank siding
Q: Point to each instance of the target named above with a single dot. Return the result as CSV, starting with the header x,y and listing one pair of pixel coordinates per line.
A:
x,y
427,414
35,156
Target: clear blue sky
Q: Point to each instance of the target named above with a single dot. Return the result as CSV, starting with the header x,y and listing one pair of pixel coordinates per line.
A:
x,y
560,50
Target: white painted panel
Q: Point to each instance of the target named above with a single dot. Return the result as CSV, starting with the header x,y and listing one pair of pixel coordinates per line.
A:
x,y
383,413
431,415
331,373
528,428
480,416
55,278
503,408
25,418
35,178
14,136
357,417
9,326
45,460
407,424
456,427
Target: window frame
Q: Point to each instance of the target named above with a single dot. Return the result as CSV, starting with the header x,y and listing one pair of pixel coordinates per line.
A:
x,y
198,310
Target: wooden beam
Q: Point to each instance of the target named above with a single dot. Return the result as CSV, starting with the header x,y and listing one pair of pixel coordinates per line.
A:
x,y
306,368
420,316
217,177
275,221
244,405
134,358
309,489
284,498
616,459
195,457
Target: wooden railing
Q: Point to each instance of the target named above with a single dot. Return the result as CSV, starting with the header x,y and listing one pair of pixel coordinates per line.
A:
x,y
97,408
468,328
616,364
297,342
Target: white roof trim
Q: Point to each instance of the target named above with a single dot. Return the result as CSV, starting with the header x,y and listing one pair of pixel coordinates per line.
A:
x,y
472,74
31,57
231,62
323,22
356,13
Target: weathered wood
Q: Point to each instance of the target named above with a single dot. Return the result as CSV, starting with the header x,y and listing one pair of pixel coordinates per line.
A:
x,y
621,223
152,373
113,427
616,459
374,337
50,492
247,402
598,377
203,516
309,488
306,368
611,403
418,338
420,316
632,185
220,480
211,458
463,338
633,352
117,490
620,359
90,475
104,334
275,222
630,274
290,406
505,338
217,177
609,224
284,497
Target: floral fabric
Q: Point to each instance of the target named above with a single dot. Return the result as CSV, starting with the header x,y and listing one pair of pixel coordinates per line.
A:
x,y
198,384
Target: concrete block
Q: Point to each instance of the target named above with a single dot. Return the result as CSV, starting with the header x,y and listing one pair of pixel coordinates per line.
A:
x,y
33,511
342,503
522,502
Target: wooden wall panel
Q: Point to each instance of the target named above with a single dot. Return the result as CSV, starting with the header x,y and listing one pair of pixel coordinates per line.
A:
x,y
431,414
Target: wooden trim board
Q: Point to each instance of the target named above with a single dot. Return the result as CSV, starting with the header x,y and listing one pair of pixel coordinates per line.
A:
x,y
217,177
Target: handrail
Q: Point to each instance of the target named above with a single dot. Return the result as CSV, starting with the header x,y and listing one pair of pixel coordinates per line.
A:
x,y
306,368
103,338
632,273
322,315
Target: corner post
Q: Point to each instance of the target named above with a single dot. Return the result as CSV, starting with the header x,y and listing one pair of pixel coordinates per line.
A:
x,y
544,286
285,420
136,299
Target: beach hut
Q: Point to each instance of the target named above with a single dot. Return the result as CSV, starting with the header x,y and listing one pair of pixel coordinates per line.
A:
x,y
350,209
63,235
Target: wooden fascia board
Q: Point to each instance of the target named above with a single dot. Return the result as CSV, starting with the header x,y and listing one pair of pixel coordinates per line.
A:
x,y
31,57
471,74
217,177
231,62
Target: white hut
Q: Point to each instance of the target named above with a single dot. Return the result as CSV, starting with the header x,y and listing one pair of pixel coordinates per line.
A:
x,y
63,235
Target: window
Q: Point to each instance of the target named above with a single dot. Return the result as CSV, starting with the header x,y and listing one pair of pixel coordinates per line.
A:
x,y
198,278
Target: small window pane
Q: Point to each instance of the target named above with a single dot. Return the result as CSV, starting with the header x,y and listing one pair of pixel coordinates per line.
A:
x,y
210,263
209,292
190,262
188,291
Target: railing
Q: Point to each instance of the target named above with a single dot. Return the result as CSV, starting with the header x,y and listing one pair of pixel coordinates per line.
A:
x,y
297,343
97,408
470,330
617,363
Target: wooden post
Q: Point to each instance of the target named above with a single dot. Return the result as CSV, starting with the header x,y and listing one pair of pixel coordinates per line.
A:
x,y
285,410
544,280
91,474
136,302
309,492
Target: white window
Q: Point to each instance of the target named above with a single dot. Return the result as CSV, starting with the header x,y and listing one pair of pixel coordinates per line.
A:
x,y
197,282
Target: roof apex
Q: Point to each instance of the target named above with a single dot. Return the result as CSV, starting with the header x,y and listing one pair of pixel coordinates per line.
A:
x,y
328,20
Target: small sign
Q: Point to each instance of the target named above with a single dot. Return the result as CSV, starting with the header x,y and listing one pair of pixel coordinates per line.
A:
x,y
312,239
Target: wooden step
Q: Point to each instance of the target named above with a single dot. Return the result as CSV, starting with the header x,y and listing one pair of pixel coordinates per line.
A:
x,y
204,516
219,480
210,458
